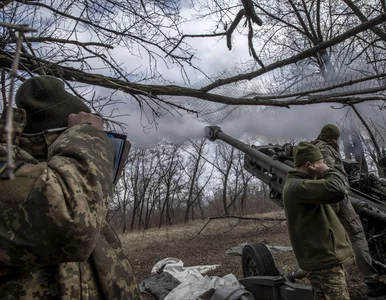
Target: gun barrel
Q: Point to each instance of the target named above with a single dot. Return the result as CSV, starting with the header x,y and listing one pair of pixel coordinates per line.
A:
x,y
214,133
364,210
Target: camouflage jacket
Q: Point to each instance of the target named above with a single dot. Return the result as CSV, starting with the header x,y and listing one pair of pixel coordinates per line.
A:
x,y
333,160
55,242
331,156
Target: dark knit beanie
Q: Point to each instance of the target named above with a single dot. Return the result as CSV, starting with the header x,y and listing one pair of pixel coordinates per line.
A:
x,y
47,103
329,131
306,152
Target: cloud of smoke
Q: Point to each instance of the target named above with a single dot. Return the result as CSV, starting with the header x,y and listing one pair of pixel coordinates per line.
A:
x,y
276,124
271,124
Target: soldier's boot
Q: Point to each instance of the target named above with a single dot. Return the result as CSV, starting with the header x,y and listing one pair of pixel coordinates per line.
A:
x,y
376,289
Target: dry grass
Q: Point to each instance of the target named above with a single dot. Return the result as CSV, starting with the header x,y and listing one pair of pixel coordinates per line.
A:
x,y
146,248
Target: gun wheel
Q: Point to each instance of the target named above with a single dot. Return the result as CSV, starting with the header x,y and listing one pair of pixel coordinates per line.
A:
x,y
257,260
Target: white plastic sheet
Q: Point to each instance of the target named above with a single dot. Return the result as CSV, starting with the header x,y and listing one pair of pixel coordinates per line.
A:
x,y
175,267
195,285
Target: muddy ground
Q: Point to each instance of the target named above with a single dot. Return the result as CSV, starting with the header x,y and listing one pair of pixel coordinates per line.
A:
x,y
146,248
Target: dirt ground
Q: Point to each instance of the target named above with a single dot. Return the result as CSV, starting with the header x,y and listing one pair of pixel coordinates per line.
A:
x,y
146,248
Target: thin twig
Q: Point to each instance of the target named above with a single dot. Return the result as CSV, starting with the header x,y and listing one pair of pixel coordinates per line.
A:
x,y
237,217
249,218
18,27
8,127
300,56
206,224
232,28
66,41
3,89
372,137
250,45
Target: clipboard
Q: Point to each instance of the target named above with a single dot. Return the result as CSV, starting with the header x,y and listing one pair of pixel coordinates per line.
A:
x,y
121,147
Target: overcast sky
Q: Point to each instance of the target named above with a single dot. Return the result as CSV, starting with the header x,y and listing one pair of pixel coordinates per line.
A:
x,y
214,57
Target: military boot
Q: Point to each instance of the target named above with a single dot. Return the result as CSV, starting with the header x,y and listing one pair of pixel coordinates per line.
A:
x,y
376,289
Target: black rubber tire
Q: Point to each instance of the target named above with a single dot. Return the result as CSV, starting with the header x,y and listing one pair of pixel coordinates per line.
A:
x,y
257,260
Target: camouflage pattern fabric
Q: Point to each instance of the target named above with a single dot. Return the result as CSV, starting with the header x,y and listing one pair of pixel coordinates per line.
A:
x,y
55,242
329,284
348,217
331,156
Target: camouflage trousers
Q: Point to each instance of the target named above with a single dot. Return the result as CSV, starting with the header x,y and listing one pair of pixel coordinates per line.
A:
x,y
352,223
329,284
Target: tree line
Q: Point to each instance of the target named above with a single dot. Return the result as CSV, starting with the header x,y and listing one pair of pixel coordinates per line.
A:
x,y
175,183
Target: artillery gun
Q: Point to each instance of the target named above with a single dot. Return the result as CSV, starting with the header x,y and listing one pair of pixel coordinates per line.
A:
x,y
271,163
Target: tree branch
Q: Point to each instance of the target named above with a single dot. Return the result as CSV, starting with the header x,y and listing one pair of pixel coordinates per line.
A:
x,y
239,218
194,36
250,45
372,137
329,88
232,28
379,32
250,12
123,33
4,3
305,54
64,41
153,91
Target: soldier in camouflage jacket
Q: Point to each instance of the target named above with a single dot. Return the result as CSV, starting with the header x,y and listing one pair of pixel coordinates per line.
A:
x,y
320,243
55,242
327,143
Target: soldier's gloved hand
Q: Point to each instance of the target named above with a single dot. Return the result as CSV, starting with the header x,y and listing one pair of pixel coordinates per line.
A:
x,y
82,118
318,169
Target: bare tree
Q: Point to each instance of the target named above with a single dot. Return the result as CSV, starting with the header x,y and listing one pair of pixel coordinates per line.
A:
x,y
141,167
171,176
196,168
239,183
223,162
119,209
76,38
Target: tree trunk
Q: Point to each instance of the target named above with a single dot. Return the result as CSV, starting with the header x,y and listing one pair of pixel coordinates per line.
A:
x,y
224,196
200,207
140,222
133,217
124,227
187,211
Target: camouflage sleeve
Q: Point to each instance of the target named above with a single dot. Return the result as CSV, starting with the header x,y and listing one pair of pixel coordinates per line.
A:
x,y
330,189
53,211
328,156
333,161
